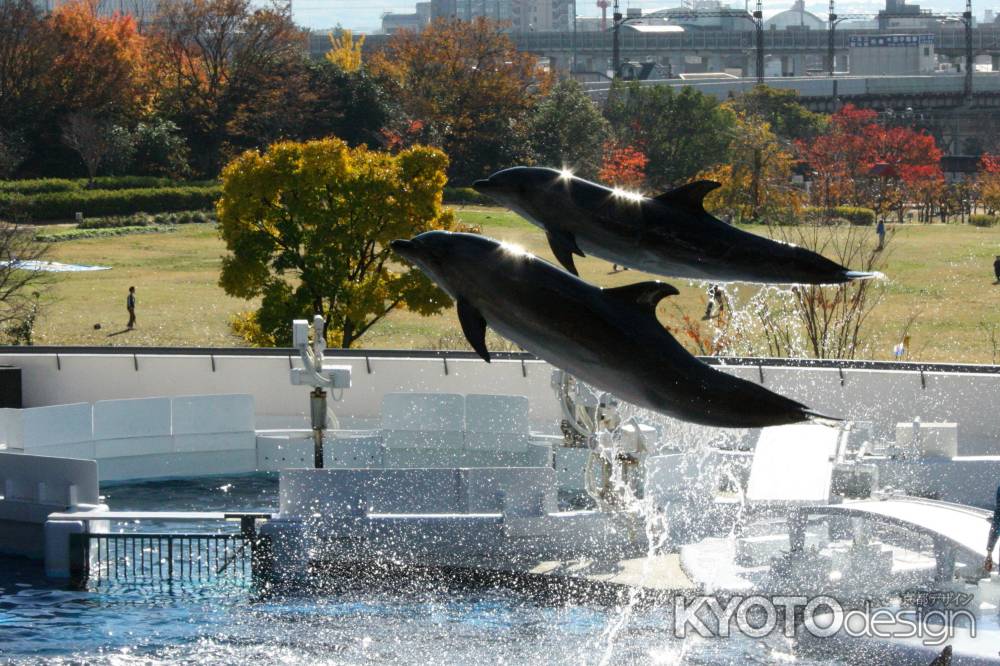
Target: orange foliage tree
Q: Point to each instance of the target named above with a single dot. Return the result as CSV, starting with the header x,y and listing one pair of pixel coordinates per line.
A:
x,y
623,166
469,87
215,60
989,181
99,63
860,162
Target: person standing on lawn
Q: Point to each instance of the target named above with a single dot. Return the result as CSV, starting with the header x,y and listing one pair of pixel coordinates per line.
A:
x,y
130,305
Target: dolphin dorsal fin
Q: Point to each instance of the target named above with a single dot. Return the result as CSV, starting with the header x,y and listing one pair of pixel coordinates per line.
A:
x,y
643,294
690,196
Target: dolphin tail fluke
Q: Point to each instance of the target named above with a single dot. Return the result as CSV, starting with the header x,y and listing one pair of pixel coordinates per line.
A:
x,y
822,419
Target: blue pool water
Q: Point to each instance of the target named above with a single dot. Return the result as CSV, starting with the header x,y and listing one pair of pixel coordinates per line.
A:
x,y
229,624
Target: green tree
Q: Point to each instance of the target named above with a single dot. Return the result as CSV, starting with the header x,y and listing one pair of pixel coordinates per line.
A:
x,y
681,133
568,130
308,227
788,119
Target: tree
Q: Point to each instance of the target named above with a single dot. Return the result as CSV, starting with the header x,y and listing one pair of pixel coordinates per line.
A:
x,y
26,55
623,166
90,138
160,149
308,227
789,120
681,133
470,89
345,51
216,59
866,164
319,99
20,286
568,130
989,181
756,181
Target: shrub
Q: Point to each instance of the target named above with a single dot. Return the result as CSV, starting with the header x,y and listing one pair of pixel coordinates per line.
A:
x,y
466,195
980,220
77,234
102,203
137,220
39,186
851,214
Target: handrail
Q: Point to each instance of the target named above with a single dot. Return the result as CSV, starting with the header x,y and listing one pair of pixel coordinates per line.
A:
x,y
284,352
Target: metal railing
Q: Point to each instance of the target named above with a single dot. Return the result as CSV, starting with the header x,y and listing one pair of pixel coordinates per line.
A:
x,y
162,557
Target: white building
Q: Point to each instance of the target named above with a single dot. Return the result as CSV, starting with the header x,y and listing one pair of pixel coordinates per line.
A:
x,y
888,55
796,18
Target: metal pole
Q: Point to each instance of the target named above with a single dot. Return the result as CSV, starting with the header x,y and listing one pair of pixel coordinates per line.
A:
x,y
574,36
317,404
831,54
616,21
758,21
969,66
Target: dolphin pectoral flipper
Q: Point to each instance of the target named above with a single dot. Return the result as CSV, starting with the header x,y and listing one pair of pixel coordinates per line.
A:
x,y
564,247
646,295
690,196
474,327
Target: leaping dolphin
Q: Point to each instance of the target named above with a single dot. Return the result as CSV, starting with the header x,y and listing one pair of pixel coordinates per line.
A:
x,y
669,235
609,338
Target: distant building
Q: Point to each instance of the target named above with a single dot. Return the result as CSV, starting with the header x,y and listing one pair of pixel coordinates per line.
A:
x,y
796,18
704,15
898,14
466,10
393,23
523,15
891,55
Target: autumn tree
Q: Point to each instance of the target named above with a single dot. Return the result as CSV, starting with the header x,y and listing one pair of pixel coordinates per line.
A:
x,y
71,60
681,133
989,182
90,137
345,51
469,88
216,59
780,108
308,227
568,130
623,166
757,178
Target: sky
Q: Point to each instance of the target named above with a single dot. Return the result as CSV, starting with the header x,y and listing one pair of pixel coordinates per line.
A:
x,y
366,16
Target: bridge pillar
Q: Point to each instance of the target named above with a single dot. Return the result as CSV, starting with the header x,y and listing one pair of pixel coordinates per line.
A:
x,y
995,63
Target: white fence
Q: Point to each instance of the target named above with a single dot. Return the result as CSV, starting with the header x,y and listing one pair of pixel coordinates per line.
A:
x,y
141,437
885,395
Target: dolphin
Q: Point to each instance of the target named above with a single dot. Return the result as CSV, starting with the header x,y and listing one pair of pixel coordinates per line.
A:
x,y
609,338
669,235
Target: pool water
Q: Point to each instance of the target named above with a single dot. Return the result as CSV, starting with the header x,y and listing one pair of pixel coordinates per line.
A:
x,y
229,624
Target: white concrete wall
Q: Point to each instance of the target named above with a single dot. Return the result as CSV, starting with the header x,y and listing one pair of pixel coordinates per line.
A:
x,y
885,397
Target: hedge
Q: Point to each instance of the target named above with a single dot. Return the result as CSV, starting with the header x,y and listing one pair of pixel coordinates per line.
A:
x,y
77,234
146,220
101,203
980,220
467,195
853,214
42,185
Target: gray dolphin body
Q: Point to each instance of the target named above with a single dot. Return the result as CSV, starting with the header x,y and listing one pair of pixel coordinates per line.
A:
x,y
670,235
609,338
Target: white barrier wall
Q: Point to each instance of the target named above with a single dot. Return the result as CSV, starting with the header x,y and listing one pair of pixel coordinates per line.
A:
x,y
885,397
32,487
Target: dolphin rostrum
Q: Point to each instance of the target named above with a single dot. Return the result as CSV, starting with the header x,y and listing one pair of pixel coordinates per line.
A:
x,y
670,235
609,338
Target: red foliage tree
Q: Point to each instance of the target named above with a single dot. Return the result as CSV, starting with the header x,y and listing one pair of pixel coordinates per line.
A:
x,y
623,166
864,163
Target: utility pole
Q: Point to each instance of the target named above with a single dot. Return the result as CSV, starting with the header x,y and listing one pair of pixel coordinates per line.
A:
x,y
758,22
831,54
616,22
969,65
574,36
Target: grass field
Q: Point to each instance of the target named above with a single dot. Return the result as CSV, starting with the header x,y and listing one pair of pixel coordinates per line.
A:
x,y
941,275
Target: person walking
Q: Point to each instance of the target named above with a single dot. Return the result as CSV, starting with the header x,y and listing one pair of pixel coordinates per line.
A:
x,y
996,268
130,305
880,230
991,540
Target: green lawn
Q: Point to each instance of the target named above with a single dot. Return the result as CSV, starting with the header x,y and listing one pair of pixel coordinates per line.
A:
x,y
942,275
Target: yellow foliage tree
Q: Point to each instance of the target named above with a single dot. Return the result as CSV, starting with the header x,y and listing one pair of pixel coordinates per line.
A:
x,y
308,227
345,51
757,180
